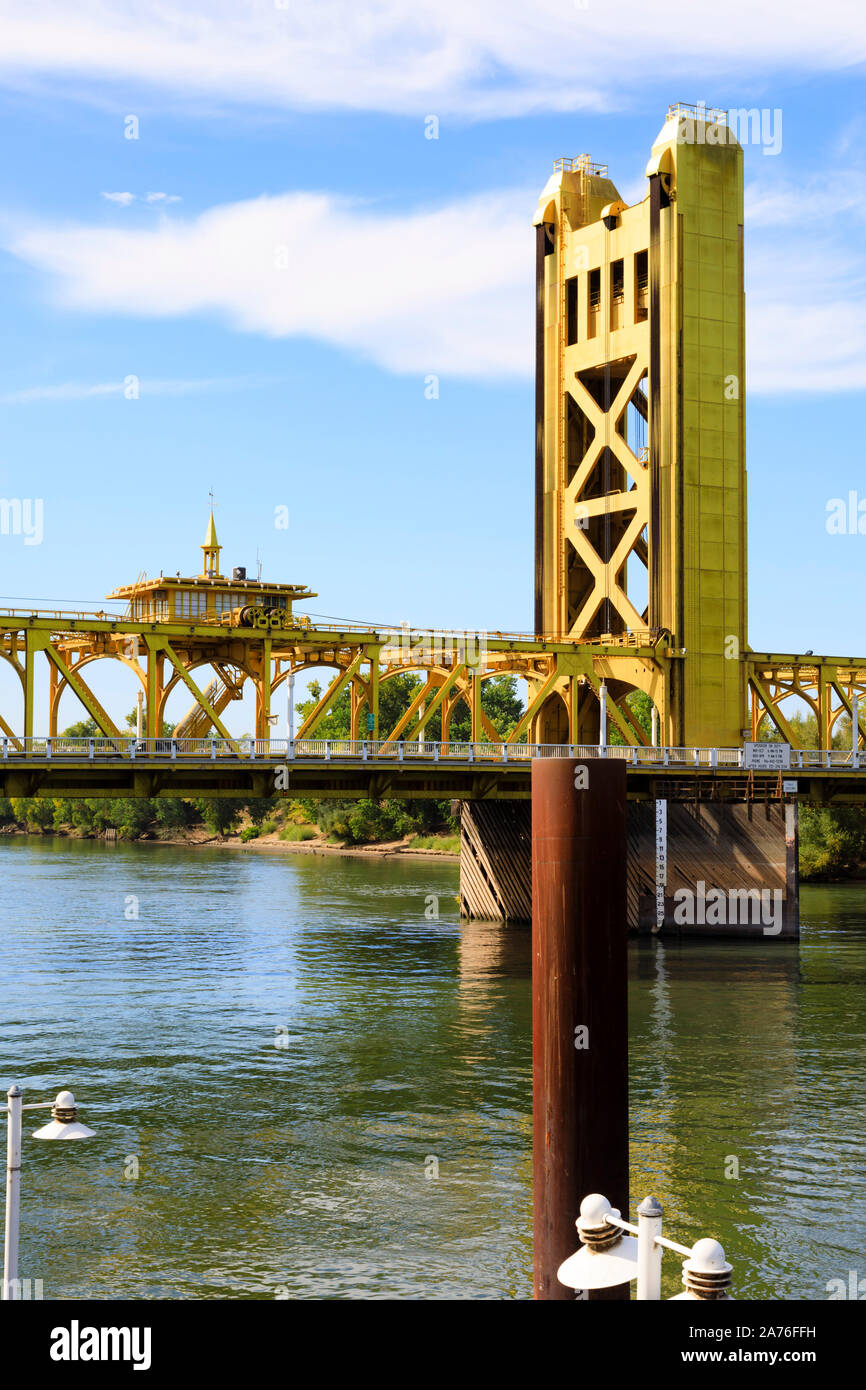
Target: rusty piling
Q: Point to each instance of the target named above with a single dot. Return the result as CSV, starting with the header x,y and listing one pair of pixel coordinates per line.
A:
x,y
579,1002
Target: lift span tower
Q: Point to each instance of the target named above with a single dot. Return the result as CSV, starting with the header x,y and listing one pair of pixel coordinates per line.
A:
x,y
640,430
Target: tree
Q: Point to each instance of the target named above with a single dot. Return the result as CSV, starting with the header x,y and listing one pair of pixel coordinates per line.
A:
x,y
132,722
395,697
219,813
171,812
832,841
500,701
35,812
641,707
86,728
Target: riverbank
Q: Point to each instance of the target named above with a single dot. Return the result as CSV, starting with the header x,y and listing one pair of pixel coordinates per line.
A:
x,y
198,837
319,845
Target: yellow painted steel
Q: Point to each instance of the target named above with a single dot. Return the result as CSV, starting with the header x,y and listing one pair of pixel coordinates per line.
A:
x,y
643,319
641,514
211,553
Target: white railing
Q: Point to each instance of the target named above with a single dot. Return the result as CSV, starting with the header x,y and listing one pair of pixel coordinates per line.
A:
x,y
103,748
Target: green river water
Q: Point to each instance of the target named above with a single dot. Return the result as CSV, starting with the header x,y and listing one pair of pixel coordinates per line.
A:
x,y
325,1089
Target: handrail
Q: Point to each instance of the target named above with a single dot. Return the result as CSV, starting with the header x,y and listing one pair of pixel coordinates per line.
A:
x,y
397,636
106,748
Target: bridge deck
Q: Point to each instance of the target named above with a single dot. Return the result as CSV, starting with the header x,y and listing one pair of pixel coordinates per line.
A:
x,y
103,767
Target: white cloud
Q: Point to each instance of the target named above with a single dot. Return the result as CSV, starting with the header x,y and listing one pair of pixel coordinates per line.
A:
x,y
427,291
435,290
126,198
486,59
81,391
806,283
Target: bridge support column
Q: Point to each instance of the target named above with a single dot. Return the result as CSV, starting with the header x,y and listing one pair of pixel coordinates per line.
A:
x,y
731,868
496,860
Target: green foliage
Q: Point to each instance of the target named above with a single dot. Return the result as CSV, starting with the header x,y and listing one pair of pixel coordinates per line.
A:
x,y
130,816
640,706
250,832
298,832
269,827
172,813
372,822
500,701
395,697
805,730
62,812
87,816
447,844
832,841
219,813
86,728
33,812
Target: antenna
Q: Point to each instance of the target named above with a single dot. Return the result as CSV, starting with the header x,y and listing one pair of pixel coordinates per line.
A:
x,y
258,565
210,495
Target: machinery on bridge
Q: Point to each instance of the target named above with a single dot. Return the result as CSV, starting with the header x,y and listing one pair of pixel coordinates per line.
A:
x,y
211,597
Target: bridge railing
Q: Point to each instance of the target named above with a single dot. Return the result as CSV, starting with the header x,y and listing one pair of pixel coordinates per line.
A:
x,y
105,748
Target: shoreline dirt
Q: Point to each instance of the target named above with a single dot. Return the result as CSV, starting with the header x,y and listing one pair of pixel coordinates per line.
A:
x,y
201,840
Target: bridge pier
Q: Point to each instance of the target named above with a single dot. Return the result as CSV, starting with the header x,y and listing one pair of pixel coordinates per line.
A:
x,y
731,867
496,860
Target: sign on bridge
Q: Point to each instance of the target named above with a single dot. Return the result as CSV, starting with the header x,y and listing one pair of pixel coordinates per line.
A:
x,y
769,757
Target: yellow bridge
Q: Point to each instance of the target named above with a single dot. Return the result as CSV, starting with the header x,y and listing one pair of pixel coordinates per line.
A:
x,y
640,576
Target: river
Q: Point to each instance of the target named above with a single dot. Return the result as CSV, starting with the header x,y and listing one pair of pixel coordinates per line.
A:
x,y
309,1079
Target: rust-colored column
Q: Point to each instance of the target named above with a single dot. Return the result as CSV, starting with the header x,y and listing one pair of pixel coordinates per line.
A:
x,y
579,1002
792,870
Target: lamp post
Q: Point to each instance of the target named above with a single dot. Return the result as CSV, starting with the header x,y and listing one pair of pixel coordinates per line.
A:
x,y
608,1257
64,1124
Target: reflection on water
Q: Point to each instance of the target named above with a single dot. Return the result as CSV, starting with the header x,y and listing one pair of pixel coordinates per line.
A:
x,y
294,1047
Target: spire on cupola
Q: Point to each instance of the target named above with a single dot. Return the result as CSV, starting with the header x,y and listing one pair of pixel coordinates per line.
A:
x,y
211,550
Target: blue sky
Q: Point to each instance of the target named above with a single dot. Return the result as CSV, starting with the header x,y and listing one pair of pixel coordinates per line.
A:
x,y
274,136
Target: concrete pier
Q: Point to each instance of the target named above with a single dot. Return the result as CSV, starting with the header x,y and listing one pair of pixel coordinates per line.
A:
x,y
731,867
496,860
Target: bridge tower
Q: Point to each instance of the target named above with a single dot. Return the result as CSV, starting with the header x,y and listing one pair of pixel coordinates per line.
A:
x,y
640,439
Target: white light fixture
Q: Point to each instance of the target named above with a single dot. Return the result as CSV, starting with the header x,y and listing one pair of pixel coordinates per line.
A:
x,y
706,1273
64,1123
607,1257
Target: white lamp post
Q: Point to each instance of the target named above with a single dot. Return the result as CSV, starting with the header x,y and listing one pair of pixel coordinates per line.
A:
x,y
64,1124
609,1257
